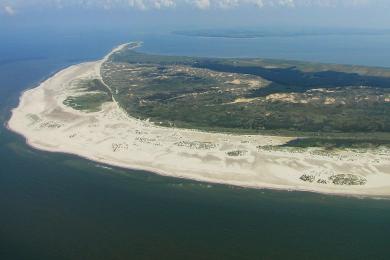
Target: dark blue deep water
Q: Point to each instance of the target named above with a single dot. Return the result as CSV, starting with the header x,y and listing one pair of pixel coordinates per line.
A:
x,y
56,206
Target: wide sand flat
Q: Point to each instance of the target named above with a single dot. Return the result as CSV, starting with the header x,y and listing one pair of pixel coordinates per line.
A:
x,y
112,137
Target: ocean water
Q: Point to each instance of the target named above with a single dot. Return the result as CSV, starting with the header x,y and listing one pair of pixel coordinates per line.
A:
x,y
57,206
354,49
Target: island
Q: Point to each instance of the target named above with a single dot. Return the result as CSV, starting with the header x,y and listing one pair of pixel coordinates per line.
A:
x,y
256,123
251,33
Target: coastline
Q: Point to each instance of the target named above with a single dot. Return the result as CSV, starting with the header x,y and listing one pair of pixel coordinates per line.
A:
x,y
210,181
279,173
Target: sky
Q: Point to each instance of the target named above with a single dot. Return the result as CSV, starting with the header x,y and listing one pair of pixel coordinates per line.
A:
x,y
199,14
11,7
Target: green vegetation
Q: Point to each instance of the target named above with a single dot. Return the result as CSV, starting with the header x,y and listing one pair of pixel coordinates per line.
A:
x,y
237,153
322,101
259,33
347,179
339,143
91,94
196,145
337,179
307,178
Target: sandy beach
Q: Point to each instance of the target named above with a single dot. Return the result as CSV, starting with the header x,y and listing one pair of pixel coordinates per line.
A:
x,y
112,137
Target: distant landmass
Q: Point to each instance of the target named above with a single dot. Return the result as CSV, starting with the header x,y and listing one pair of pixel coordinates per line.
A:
x,y
259,33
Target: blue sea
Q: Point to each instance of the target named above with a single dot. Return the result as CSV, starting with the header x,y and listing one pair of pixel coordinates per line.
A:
x,y
57,206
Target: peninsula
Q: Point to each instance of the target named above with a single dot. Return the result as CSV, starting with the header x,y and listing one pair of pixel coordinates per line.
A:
x,y
247,122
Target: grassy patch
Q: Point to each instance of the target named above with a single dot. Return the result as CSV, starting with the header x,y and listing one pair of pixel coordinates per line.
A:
x,y
333,143
92,95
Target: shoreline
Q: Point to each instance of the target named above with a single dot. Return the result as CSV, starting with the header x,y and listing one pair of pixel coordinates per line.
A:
x,y
161,173
225,176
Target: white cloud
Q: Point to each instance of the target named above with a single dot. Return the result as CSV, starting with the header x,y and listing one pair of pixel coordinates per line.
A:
x,y
137,4
259,3
201,4
290,3
205,4
165,4
228,3
9,10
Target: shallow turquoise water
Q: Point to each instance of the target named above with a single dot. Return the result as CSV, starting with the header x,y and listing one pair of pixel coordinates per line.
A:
x,y
55,206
